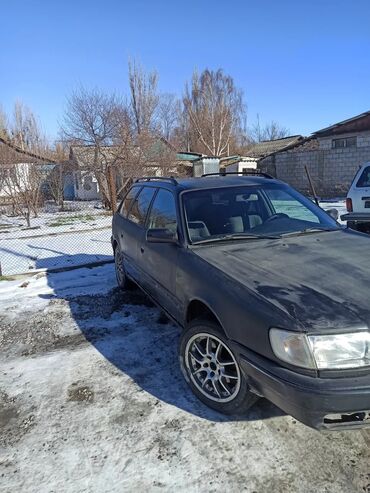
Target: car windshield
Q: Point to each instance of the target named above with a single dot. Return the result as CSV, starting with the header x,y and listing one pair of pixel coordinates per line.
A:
x,y
251,212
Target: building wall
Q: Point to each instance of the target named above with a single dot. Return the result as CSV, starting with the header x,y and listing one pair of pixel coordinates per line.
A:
x,y
86,187
21,173
206,165
241,166
332,170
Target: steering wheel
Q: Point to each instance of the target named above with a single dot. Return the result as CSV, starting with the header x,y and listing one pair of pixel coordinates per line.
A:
x,y
279,215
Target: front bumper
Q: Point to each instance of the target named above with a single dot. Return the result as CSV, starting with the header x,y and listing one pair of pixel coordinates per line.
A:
x,y
322,403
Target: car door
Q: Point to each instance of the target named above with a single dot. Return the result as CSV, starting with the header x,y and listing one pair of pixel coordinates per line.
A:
x,y
132,231
158,260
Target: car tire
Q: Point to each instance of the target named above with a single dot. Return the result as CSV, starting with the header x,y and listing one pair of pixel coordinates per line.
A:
x,y
212,369
121,276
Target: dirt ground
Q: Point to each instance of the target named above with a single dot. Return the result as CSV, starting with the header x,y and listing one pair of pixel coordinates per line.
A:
x,y
92,400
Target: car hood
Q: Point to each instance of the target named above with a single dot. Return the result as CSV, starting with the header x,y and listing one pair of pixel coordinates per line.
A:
x,y
322,280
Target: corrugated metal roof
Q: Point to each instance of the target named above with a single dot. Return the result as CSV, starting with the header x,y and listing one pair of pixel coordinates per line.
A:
x,y
268,147
188,156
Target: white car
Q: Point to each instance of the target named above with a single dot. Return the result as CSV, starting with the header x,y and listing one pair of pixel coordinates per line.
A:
x,y
358,200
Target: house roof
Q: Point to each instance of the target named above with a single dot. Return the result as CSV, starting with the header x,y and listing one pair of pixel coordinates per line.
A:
x,y
268,147
17,155
84,155
229,160
355,124
188,156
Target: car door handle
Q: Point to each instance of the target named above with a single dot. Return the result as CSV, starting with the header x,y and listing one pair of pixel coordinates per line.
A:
x,y
142,249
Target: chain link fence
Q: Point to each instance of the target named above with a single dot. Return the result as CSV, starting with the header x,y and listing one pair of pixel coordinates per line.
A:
x,y
77,235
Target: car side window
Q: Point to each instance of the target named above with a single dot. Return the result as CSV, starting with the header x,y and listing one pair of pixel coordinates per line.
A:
x,y
284,203
364,180
139,209
127,201
163,212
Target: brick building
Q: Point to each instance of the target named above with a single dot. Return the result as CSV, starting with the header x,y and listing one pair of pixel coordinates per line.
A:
x,y
332,156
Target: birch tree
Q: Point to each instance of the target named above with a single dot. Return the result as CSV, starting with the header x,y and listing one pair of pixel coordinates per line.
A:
x,y
215,109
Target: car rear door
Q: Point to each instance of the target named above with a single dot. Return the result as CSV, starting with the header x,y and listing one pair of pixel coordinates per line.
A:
x,y
132,226
157,261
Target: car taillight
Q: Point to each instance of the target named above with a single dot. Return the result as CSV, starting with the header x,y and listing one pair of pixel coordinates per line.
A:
x,y
349,204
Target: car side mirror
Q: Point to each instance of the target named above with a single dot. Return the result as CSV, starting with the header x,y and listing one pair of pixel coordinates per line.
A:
x,y
333,213
161,235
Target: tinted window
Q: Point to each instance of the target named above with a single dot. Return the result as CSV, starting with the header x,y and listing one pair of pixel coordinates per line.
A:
x,y
127,202
139,209
163,213
364,180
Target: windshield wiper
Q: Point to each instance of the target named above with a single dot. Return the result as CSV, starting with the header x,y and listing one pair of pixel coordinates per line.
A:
x,y
237,236
308,231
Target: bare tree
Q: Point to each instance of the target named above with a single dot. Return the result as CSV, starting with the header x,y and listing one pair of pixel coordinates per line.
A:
x,y
4,124
144,98
215,109
56,177
270,131
93,120
149,122
55,183
168,114
22,183
25,130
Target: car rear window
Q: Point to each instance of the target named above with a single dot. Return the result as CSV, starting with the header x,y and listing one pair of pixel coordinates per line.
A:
x,y
364,180
139,209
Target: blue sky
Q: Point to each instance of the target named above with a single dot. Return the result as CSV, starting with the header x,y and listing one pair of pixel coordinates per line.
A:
x,y
305,64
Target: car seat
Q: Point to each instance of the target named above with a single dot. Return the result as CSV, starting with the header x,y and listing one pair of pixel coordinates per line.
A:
x,y
198,230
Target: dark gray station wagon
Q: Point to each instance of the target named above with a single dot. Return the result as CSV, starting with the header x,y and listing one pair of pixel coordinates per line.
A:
x,y
272,294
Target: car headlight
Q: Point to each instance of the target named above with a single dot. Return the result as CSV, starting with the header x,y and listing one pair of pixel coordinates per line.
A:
x,y
335,351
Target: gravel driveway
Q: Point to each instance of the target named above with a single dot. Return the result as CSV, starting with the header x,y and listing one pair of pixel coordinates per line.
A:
x,y
92,400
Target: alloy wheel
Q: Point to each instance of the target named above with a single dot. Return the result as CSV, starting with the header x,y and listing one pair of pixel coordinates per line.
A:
x,y
212,367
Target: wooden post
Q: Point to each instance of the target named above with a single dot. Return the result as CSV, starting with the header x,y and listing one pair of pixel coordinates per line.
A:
x,y
112,189
311,186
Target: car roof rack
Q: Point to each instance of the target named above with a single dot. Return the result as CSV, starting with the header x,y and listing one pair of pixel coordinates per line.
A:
x,y
245,172
171,179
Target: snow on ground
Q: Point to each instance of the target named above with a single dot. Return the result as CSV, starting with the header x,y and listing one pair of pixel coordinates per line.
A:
x,y
78,236
50,252
92,400
77,216
338,203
